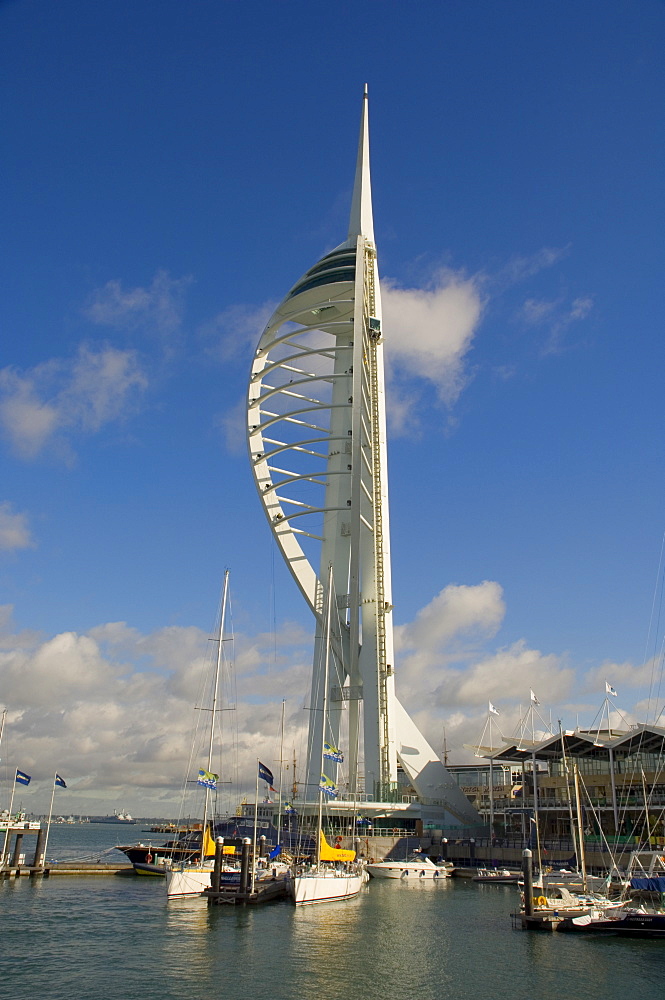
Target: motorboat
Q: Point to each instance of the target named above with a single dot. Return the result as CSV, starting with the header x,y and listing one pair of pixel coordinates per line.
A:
x,y
497,876
415,867
632,921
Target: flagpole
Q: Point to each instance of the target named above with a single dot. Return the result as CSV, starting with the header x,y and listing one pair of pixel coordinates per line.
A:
x,y
491,787
9,820
50,813
279,796
256,814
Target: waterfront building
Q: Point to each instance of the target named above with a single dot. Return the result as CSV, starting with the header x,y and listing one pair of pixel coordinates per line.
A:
x,y
621,777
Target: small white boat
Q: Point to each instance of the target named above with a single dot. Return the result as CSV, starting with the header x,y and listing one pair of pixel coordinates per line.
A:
x,y
415,867
497,876
325,884
187,880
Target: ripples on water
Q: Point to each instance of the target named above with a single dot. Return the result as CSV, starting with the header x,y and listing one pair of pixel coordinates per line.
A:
x,y
114,938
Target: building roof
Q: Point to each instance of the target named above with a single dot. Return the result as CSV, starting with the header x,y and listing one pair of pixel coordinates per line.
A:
x,y
580,743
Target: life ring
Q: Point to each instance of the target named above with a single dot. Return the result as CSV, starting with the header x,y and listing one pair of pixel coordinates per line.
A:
x,y
148,858
540,901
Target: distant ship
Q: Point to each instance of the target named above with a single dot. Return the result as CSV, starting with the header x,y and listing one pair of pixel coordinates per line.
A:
x,y
121,817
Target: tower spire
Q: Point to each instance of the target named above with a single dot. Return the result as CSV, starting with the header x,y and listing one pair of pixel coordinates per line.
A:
x,y
361,222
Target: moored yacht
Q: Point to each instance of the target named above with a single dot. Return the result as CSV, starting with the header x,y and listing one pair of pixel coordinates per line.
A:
x,y
416,866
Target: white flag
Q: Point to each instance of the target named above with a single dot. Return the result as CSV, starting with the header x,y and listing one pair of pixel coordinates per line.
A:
x,y
493,710
609,689
534,700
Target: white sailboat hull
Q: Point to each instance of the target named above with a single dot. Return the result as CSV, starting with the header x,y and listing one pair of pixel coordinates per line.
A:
x,y
195,880
326,886
187,881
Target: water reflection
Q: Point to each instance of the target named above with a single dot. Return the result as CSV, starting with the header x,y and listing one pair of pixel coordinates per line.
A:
x,y
119,939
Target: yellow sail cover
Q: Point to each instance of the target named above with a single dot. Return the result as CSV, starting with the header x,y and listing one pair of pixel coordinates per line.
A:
x,y
209,846
328,853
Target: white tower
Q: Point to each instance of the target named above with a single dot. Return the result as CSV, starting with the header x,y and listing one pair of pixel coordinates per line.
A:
x,y
317,444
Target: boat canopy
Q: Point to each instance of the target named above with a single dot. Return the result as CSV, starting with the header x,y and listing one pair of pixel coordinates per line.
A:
x,y
654,884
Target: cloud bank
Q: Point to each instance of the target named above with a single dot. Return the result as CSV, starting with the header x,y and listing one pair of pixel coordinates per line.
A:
x,y
113,710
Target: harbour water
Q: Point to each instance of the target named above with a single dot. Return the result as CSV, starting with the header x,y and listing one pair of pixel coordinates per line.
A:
x,y
116,938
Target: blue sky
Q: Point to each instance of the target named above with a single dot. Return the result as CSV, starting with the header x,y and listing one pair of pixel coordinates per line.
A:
x,y
170,171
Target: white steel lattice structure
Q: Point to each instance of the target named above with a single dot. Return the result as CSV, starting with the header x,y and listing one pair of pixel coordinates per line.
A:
x,y
317,444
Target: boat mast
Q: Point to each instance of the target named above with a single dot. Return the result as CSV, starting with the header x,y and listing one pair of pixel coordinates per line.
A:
x,y
568,796
213,707
326,674
580,824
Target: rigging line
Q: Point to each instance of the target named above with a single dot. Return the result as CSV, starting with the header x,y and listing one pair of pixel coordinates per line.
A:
x,y
229,676
657,697
660,578
598,820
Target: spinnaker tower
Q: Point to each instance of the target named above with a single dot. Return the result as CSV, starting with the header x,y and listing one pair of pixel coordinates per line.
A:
x,y
316,420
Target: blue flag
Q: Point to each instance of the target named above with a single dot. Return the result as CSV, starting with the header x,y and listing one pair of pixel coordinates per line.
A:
x,y
22,777
207,779
332,753
60,781
265,774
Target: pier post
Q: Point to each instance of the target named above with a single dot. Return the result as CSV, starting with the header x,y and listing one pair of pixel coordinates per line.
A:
x,y
18,841
217,870
39,860
244,865
262,846
444,848
527,870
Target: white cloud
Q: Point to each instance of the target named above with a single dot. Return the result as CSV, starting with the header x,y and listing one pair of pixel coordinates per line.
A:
x,y
158,308
14,529
114,710
555,316
456,610
57,399
523,266
233,426
443,660
233,334
429,333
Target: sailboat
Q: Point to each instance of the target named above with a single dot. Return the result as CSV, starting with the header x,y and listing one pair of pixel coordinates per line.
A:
x,y
191,878
334,874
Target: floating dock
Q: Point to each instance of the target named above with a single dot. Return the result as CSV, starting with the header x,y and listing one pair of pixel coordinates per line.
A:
x,y
264,892
66,868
